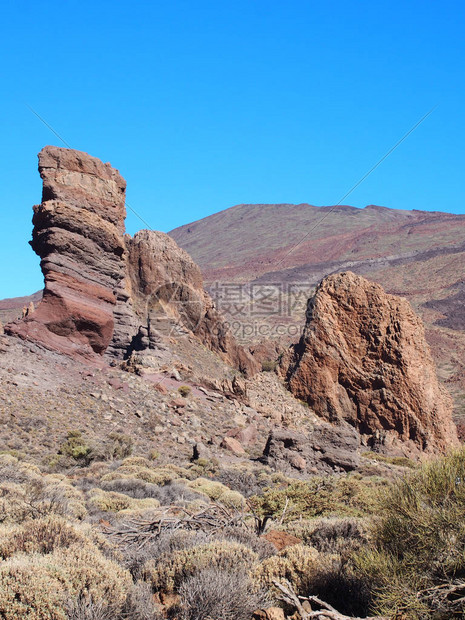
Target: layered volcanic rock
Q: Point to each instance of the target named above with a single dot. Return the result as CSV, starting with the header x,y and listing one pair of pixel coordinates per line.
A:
x,y
78,233
168,295
363,358
105,292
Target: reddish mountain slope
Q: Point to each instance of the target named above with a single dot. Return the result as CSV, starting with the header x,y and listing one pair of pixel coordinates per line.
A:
x,y
416,254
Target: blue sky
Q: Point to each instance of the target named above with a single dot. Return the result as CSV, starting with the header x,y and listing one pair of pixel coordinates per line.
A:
x,y
202,105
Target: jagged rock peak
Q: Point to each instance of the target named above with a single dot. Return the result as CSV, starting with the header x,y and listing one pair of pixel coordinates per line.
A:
x,y
363,358
105,292
167,287
78,233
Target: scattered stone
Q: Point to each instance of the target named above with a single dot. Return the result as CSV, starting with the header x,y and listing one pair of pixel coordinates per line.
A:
x,y
231,444
245,436
281,540
200,451
271,613
177,403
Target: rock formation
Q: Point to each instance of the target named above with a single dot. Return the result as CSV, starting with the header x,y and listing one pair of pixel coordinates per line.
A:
x,y
105,292
325,449
363,358
78,233
168,297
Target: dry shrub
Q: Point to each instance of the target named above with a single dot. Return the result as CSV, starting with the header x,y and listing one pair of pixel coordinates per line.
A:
x,y
260,546
28,589
137,558
39,536
85,608
171,493
141,469
213,593
218,492
137,489
30,495
63,562
43,536
298,564
139,605
172,569
341,535
110,501
247,483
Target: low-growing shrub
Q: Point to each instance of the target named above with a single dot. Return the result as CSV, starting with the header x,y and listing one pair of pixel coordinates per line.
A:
x,y
269,365
40,536
341,535
184,390
247,483
417,561
39,586
220,594
400,461
29,590
218,492
25,493
110,501
298,564
348,495
172,569
139,604
120,446
76,447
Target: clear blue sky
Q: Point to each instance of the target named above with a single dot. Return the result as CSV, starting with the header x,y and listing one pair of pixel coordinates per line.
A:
x,y
205,104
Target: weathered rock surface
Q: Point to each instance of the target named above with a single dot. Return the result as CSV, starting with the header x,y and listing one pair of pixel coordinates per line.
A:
x,y
326,449
105,292
78,233
363,359
169,299
280,540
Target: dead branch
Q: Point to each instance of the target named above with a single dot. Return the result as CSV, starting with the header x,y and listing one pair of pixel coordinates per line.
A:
x,y
212,518
326,613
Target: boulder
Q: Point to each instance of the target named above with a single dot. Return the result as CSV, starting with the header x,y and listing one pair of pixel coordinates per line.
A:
x,y
231,444
363,359
325,449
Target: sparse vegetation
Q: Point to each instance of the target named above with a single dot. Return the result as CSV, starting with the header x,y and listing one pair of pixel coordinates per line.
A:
x,y
184,390
416,565
269,365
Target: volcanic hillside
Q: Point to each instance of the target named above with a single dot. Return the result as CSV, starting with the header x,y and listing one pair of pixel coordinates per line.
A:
x,y
416,254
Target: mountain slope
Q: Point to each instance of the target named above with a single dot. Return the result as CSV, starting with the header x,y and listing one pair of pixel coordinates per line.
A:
x,y
416,254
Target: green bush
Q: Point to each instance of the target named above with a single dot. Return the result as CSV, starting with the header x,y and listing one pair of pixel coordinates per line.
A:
x,y
319,496
76,447
184,390
297,564
419,543
269,365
